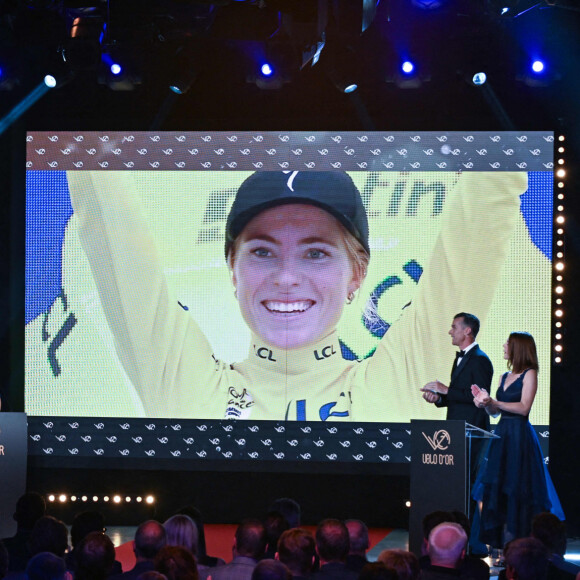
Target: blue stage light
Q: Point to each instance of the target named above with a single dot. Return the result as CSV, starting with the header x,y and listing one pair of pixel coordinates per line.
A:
x,y
114,67
267,70
407,74
538,66
50,81
538,73
429,4
479,78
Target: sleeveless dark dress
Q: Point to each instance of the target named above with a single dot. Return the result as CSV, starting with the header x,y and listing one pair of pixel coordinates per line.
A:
x,y
513,482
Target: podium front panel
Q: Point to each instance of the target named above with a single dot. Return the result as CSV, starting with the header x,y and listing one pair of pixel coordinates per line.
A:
x,y
438,465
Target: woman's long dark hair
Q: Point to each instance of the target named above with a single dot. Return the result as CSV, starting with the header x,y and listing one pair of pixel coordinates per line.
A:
x,y
522,353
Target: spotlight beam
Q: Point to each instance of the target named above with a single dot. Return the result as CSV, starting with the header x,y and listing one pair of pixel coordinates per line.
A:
x,y
23,106
496,107
528,9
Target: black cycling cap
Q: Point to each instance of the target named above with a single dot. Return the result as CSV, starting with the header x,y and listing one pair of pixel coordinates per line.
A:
x,y
333,191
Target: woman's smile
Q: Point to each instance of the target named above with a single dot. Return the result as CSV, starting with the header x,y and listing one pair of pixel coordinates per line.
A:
x,y
293,307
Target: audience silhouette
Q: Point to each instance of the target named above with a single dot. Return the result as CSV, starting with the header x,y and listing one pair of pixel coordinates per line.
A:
x,y
274,547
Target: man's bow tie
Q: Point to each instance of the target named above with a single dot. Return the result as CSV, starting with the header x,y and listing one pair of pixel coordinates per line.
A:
x,y
460,354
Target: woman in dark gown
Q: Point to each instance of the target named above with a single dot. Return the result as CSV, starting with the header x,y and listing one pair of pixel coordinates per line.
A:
x,y
513,483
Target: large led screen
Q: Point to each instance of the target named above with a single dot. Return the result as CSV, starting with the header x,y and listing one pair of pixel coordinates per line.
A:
x,y
134,310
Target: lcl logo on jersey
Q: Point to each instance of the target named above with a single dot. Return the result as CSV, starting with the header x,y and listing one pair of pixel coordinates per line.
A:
x,y
326,352
265,353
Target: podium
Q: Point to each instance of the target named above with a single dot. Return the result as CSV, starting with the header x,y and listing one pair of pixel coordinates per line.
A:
x,y
441,462
13,455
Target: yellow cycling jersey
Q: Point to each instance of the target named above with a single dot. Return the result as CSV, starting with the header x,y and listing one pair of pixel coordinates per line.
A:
x,y
175,372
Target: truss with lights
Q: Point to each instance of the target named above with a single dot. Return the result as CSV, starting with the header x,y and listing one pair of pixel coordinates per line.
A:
x,y
559,262
87,498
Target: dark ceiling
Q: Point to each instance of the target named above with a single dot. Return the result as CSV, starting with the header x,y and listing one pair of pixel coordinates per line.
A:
x,y
223,41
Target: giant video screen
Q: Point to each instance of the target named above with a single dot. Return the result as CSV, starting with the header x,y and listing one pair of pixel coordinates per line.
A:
x,y
231,275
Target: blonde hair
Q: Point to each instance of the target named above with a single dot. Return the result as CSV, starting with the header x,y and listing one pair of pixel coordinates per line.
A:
x,y
181,530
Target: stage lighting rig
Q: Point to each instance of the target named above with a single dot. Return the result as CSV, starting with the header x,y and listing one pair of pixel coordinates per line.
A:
x,y
538,73
82,50
349,17
341,83
408,74
273,65
515,8
185,68
512,8
429,4
308,36
301,38
341,65
353,17
56,71
118,72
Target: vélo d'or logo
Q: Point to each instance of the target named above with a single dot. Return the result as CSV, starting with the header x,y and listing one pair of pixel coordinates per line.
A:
x,y
440,440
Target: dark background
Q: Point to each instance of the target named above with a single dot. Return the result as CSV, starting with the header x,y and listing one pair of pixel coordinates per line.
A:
x,y
223,41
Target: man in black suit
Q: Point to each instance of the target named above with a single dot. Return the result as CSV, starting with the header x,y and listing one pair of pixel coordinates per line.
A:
x,y
471,367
